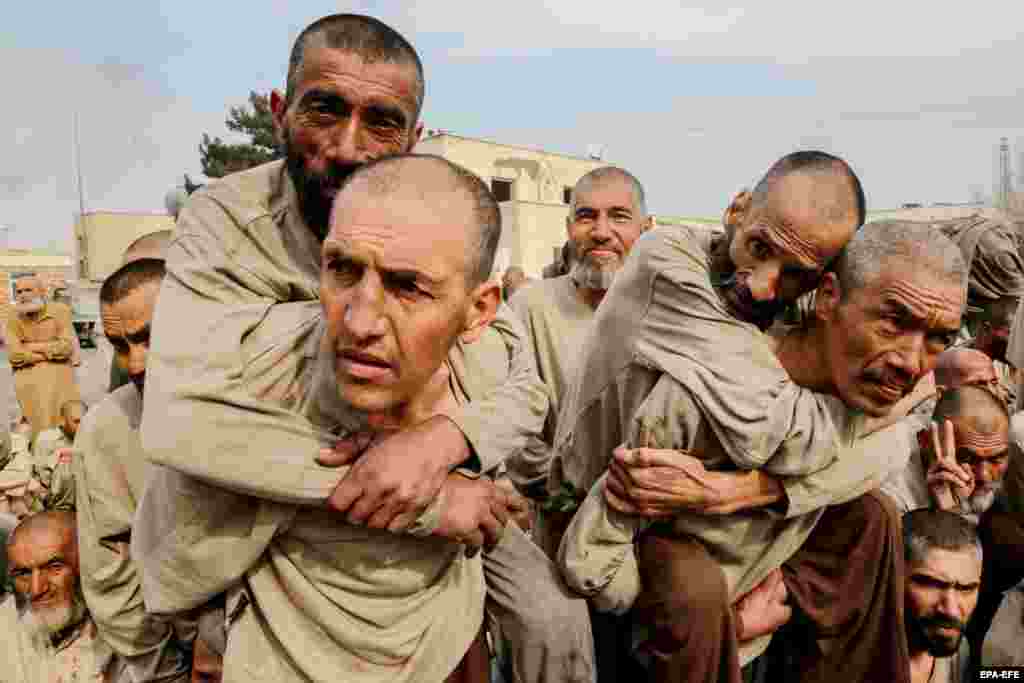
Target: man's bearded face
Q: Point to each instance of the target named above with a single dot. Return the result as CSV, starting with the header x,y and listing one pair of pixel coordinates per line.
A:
x,y
941,593
44,567
126,323
605,222
28,295
886,335
344,112
993,332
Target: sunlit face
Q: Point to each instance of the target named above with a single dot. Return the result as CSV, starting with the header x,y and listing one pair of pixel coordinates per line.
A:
x,y
43,564
395,291
993,331
985,451
606,220
941,593
343,113
126,324
779,247
886,335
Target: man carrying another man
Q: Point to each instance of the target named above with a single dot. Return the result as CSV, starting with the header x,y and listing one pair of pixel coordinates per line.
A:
x,y
244,270
39,348
875,337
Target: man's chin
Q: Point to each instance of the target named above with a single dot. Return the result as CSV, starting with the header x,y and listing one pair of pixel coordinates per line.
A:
x,y
368,398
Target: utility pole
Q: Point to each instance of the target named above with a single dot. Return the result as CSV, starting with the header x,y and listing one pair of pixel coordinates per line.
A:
x,y
1005,188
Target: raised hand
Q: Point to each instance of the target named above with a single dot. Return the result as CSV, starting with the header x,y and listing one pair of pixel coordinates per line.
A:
x,y
949,482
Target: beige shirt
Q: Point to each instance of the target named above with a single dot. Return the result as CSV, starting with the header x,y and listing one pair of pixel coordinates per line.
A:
x,y
332,598
556,323
80,658
110,471
56,479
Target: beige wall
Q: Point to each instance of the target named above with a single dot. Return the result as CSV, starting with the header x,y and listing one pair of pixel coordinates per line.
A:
x,y
533,222
102,238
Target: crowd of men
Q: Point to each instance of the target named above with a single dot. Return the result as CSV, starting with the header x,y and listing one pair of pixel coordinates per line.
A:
x,y
336,447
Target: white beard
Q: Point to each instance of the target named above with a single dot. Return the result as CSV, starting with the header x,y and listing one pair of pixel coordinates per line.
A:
x,y
30,307
45,623
980,502
589,276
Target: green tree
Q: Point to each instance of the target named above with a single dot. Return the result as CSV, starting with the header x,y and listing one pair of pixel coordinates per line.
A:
x,y
220,158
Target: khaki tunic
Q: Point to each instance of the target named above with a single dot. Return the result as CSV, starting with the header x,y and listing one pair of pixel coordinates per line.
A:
x,y
110,472
42,386
1013,488
556,323
229,413
56,479
18,494
990,250
81,658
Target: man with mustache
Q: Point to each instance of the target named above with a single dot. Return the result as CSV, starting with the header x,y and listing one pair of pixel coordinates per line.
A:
x,y
46,633
607,214
405,280
943,574
39,349
878,329
244,270
110,471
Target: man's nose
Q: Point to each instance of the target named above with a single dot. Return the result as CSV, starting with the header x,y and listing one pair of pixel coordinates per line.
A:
x,y
136,359
763,283
909,357
361,316
39,584
345,144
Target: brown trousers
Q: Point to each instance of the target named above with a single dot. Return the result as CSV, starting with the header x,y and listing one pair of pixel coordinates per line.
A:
x,y
475,666
846,582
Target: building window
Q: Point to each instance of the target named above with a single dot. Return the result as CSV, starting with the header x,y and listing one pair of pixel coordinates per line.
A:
x,y
567,195
502,189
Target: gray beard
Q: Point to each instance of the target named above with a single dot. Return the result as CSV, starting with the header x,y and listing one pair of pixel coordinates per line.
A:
x,y
589,276
43,625
30,307
979,503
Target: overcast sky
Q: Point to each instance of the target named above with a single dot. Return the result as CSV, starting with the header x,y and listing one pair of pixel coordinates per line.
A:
x,y
697,102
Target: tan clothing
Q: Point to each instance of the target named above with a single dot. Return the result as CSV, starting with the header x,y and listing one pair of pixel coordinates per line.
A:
x,y
556,323
18,493
990,250
110,472
952,669
663,322
43,380
80,658
56,479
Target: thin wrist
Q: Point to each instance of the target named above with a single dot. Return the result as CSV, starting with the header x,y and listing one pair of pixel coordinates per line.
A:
x,y
455,446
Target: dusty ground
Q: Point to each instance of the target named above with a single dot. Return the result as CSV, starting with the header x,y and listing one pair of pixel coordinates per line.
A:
x,y
93,377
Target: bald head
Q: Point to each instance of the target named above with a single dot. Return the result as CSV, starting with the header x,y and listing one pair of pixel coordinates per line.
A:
x,y
151,246
610,175
372,40
974,408
837,193
50,524
438,186
958,367
901,245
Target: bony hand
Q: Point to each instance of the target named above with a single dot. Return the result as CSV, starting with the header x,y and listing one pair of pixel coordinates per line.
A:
x,y
659,483
398,475
948,481
521,510
763,609
474,512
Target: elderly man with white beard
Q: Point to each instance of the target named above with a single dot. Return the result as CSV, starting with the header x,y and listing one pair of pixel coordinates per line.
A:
x,y
46,633
39,340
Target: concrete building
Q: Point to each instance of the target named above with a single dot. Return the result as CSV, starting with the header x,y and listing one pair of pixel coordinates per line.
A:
x,y
532,186
102,236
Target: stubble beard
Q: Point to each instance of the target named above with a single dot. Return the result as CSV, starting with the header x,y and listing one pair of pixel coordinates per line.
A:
x,y
314,204
587,275
30,307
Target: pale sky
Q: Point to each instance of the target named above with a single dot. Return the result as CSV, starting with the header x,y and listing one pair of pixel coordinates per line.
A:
x,y
697,102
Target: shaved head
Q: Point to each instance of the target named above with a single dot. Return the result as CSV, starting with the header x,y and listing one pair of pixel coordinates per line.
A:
x,y
605,176
429,176
961,366
975,408
914,247
838,189
372,40
58,522
152,246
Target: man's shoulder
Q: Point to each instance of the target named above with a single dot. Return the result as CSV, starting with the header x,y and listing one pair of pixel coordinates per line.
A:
x,y
120,409
245,196
538,293
673,248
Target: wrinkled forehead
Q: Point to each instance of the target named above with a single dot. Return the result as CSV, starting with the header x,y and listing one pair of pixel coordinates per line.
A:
x,y
937,301
37,545
606,193
813,213
962,566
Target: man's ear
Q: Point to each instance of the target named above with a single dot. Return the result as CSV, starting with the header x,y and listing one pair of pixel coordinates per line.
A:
x,y
417,133
278,109
737,211
483,307
648,224
827,297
